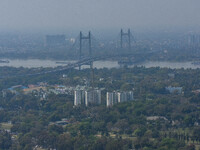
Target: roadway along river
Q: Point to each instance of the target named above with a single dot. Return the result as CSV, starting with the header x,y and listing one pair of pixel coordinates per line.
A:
x,y
34,63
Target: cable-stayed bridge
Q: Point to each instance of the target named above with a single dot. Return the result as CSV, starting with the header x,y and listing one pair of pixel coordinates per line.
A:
x,y
90,58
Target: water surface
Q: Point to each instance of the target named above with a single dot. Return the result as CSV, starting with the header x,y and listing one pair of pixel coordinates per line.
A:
x,y
34,63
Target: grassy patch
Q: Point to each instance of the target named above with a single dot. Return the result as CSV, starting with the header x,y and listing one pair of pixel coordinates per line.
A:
x,y
6,126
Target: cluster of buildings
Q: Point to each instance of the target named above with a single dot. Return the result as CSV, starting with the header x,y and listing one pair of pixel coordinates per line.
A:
x,y
172,89
83,95
40,90
93,97
61,89
118,97
87,97
14,90
57,41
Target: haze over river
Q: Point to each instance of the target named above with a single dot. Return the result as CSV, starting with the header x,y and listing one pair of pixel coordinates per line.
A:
x,y
34,63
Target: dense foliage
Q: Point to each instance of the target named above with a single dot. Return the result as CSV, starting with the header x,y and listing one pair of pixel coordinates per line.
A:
x,y
175,123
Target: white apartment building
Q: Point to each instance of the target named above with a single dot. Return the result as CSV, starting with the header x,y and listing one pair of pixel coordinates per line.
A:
x,y
92,97
78,97
111,98
118,97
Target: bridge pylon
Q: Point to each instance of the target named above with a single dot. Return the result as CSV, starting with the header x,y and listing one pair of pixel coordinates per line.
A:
x,y
123,34
89,39
81,38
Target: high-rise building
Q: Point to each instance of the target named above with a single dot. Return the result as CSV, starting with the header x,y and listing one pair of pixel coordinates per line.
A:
x,y
78,97
88,97
111,98
125,96
97,97
92,97
130,96
118,97
121,97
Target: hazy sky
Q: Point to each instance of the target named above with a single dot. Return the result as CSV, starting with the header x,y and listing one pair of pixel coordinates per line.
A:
x,y
77,14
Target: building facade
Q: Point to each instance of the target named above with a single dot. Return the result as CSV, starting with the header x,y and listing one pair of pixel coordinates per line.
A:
x,y
125,96
79,97
111,98
118,97
93,97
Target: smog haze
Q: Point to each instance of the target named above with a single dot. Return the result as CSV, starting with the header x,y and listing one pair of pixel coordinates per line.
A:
x,y
97,14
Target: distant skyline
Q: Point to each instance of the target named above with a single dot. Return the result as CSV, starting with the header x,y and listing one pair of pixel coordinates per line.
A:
x,y
27,15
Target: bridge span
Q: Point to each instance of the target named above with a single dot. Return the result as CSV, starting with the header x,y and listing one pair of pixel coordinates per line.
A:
x,y
84,61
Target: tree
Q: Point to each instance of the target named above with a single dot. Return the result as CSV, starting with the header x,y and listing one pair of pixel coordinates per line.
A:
x,y
5,140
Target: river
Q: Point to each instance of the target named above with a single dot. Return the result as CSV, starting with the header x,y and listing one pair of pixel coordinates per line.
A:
x,y
35,63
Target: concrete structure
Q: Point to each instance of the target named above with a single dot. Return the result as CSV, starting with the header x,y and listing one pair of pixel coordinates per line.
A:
x,y
97,97
128,34
125,96
130,96
78,97
118,97
88,97
92,97
111,98
121,97
89,38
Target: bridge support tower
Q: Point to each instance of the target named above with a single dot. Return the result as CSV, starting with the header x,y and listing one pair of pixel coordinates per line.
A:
x,y
82,37
89,38
123,34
